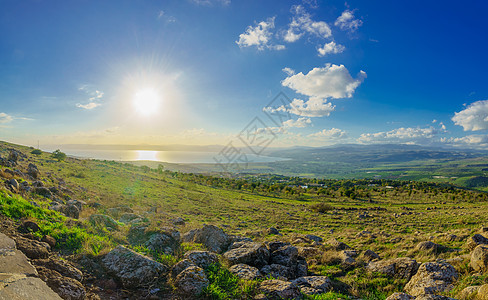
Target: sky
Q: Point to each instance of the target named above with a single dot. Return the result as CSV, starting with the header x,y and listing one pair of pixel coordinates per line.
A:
x,y
261,72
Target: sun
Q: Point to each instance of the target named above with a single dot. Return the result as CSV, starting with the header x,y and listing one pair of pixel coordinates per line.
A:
x,y
147,101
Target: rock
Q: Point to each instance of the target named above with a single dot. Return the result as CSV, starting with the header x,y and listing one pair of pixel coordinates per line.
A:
x,y
127,217
165,242
402,268
347,257
428,246
338,245
33,249
132,269
433,297
249,253
191,281
245,272
49,240
370,255
178,221
27,288
286,256
482,292
63,267
66,287
78,203
314,238
400,296
278,289
469,293
13,183
33,171
103,220
432,278
312,285
277,271
137,234
180,266
309,252
12,260
14,155
29,226
72,211
476,240
212,237
479,258
203,259
273,231
45,192
117,212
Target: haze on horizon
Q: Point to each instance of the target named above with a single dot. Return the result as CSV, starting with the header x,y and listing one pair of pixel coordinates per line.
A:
x,y
201,72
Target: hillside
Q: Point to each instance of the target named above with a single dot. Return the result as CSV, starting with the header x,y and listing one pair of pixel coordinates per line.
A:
x,y
347,234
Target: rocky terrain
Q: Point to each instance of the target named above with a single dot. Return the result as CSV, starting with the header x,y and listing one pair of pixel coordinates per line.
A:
x,y
143,260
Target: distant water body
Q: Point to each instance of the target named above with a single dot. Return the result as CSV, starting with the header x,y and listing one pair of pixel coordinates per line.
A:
x,y
162,156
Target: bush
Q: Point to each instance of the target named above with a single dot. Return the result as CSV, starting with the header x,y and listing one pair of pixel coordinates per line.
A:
x,y
60,156
36,152
321,207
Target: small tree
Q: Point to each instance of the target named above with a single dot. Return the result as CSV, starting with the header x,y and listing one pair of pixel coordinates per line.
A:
x,y
36,152
60,156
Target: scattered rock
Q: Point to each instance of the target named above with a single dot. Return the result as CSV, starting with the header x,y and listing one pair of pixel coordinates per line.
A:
x,y
428,246
180,266
212,237
432,278
117,212
66,287
178,221
338,245
370,255
249,253
29,226
191,281
314,238
476,240
131,268
27,288
277,271
403,267
469,293
72,211
278,289
479,258
400,296
309,251
33,171
482,292
49,240
245,272
273,231
45,192
33,249
127,217
312,285
203,259
103,220
61,266
166,242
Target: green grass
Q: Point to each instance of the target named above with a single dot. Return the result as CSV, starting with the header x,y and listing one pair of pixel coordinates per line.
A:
x,y
225,285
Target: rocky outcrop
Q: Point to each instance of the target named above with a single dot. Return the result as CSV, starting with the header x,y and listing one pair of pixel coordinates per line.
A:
x,y
479,258
131,268
278,289
212,237
249,253
191,281
432,278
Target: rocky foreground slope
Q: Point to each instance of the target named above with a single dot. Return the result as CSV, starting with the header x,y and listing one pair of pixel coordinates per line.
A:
x,y
32,266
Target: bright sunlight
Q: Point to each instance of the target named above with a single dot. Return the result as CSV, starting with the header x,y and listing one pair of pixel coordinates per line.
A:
x,y
147,101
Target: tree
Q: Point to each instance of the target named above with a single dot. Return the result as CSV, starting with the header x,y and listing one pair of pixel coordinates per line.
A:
x,y
36,152
60,156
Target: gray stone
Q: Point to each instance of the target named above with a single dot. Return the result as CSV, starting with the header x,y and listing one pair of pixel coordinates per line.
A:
x,y
28,288
117,212
212,237
469,293
432,278
479,258
127,217
402,268
277,271
400,296
131,268
312,285
191,281
103,220
245,272
476,240
278,289
203,259
249,253
180,266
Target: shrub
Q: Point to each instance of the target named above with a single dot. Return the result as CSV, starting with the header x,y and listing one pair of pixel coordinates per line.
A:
x,y
321,207
36,152
60,156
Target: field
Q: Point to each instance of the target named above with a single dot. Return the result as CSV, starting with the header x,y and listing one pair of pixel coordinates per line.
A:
x,y
389,217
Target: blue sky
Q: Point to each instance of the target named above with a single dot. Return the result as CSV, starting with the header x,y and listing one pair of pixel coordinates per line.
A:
x,y
198,72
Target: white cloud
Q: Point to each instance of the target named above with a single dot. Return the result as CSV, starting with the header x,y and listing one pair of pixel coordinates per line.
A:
x,y
88,106
299,123
314,107
474,140
333,133
409,135
211,2
259,36
331,48
347,22
302,23
289,71
4,118
331,81
474,117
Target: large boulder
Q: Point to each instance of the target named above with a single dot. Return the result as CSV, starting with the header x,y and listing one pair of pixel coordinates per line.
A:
x,y
66,287
313,285
249,253
132,269
191,281
163,241
180,266
212,237
203,259
278,289
401,268
245,272
432,278
277,271
33,249
479,258
476,240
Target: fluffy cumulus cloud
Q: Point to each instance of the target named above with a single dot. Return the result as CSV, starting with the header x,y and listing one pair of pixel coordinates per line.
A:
x,y
330,48
302,23
474,117
259,36
331,81
331,134
298,123
409,135
314,107
347,22
5,118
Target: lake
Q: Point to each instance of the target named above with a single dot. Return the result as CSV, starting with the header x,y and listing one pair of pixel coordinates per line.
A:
x,y
162,156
